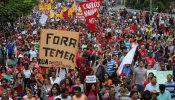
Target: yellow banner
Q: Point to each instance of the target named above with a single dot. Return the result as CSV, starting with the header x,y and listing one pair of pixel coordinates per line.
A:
x,y
45,7
71,10
52,15
61,13
58,48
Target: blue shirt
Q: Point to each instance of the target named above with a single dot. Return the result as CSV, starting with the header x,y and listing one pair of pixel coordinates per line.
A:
x,y
110,67
127,44
170,86
151,87
128,71
10,48
165,96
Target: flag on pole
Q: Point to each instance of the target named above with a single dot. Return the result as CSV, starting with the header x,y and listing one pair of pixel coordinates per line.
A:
x,y
65,14
127,59
90,13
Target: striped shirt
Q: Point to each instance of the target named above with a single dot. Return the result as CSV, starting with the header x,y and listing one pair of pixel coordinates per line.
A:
x,y
116,52
110,67
170,86
124,96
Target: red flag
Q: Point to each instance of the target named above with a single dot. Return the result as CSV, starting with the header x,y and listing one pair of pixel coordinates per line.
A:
x,y
90,11
65,14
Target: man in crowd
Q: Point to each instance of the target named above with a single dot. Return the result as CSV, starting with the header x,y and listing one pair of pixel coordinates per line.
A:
x,y
140,75
164,94
152,85
170,85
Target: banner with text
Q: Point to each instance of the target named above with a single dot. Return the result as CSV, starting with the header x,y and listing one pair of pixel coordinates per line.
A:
x,y
161,75
79,16
90,11
58,48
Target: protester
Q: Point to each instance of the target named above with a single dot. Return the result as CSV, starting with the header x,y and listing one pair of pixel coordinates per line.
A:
x,y
152,85
64,95
101,53
140,75
164,94
78,95
170,85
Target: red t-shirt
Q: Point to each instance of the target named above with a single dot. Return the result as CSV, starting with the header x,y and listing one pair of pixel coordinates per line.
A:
x,y
152,45
145,83
85,71
134,28
1,89
80,60
150,61
142,53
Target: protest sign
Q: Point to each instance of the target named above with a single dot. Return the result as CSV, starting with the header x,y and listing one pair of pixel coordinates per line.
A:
x,y
58,48
91,79
90,11
152,71
79,16
161,75
43,19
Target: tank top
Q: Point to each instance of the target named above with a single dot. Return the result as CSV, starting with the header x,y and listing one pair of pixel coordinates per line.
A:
x,y
80,98
91,96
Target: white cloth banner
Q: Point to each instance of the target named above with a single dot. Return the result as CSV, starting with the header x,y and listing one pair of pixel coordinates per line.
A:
x,y
43,19
127,59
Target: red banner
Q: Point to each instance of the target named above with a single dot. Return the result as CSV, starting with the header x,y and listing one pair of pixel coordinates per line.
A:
x,y
65,14
90,11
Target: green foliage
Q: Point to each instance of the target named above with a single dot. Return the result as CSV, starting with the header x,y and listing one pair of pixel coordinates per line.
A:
x,y
164,5
11,9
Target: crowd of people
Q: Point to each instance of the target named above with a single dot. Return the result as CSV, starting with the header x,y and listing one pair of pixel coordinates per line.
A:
x,y
99,53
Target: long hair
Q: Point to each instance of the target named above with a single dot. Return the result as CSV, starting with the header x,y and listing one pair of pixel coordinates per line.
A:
x,y
70,82
88,89
57,87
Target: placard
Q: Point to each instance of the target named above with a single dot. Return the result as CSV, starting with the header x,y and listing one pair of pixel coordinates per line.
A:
x,y
79,16
161,75
91,79
58,48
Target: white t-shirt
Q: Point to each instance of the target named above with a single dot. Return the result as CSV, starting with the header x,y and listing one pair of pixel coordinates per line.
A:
x,y
57,80
32,54
27,73
62,73
8,99
68,97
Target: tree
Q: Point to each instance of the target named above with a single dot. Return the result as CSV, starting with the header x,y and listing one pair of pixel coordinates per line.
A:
x,y
164,5
11,9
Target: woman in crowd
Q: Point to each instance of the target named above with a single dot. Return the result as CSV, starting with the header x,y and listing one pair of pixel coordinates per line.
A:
x,y
55,91
3,70
29,95
107,81
79,83
27,73
69,85
46,88
134,95
12,62
91,91
8,75
19,83
147,81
